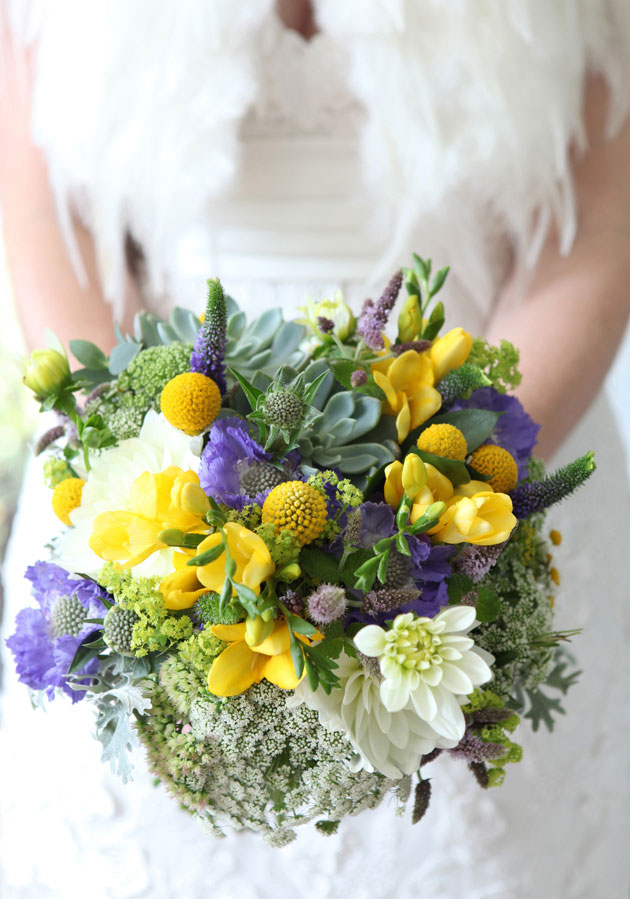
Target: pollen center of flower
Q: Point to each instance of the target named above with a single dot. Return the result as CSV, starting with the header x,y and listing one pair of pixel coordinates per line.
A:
x,y
254,477
68,617
414,647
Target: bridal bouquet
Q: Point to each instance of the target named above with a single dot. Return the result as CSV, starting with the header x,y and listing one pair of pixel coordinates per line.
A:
x,y
299,560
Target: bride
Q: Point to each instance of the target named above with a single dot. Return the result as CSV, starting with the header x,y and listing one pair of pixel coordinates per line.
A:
x,y
292,149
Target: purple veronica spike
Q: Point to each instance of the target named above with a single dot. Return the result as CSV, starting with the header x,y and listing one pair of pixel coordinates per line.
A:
x,y
208,355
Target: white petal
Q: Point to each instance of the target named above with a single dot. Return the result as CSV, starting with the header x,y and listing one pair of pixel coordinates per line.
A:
x,y
456,680
455,641
424,702
354,685
458,618
476,667
398,730
371,640
384,718
449,721
394,693
432,676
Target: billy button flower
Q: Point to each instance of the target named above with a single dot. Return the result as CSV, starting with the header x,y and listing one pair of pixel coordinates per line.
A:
x,y
191,401
497,465
297,507
443,440
66,498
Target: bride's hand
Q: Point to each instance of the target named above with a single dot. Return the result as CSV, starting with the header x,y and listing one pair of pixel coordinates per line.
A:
x,y
46,288
571,323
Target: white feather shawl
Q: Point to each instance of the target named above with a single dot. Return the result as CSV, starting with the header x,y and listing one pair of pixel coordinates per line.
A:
x,y
471,110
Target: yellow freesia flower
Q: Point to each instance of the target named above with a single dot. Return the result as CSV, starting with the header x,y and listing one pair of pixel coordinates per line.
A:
x,y
241,665
407,382
450,351
484,519
157,502
253,561
436,487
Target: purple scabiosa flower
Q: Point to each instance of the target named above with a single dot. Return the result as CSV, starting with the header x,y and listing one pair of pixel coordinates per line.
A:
x,y
368,524
234,469
374,317
326,604
515,431
208,355
47,638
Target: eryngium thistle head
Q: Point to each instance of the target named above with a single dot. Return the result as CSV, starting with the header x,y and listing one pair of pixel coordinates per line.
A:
x,y
207,611
68,616
118,629
327,604
255,477
283,408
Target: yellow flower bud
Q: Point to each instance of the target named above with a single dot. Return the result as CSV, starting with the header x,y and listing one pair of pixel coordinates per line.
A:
x,y
289,573
414,475
257,630
192,500
450,351
46,372
409,319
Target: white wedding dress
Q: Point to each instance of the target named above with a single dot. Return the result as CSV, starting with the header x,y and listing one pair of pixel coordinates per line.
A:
x,y
297,218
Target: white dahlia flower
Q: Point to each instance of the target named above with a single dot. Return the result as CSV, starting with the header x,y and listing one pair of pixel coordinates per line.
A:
x,y
430,662
390,742
107,489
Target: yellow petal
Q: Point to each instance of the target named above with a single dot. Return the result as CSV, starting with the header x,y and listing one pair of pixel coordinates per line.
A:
x,y
235,670
425,402
280,670
414,475
385,384
181,589
408,369
472,488
229,632
393,484
277,642
450,351
403,419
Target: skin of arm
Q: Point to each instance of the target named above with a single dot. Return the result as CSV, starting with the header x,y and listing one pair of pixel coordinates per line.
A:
x,y
570,324
46,289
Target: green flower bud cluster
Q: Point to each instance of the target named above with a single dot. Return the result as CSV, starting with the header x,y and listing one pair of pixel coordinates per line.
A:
x,y
56,471
207,611
500,364
283,547
128,399
156,629
68,616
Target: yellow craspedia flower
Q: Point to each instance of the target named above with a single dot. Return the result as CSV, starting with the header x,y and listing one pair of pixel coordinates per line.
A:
x,y
443,440
191,401
67,497
497,465
298,507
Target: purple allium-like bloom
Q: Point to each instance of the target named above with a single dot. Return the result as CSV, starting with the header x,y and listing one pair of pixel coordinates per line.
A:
x,y
208,355
358,377
47,638
476,561
418,346
326,604
515,431
234,469
373,319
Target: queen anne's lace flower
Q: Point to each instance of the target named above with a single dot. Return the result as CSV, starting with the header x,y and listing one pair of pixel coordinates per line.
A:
x,y
429,662
391,742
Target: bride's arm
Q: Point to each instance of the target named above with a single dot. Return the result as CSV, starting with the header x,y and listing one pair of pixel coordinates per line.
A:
x,y
569,327
45,286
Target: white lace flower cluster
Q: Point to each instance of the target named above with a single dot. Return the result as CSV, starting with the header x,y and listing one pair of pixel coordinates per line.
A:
x,y
428,667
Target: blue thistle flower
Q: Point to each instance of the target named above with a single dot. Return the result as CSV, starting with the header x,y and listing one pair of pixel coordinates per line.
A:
x,y
208,355
527,499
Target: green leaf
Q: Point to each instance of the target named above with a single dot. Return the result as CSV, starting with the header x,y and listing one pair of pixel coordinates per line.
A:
x,y
311,673
475,424
436,320
374,481
300,626
319,565
297,654
455,471
122,355
88,354
402,546
382,565
439,280
458,585
488,604
84,654
210,555
252,393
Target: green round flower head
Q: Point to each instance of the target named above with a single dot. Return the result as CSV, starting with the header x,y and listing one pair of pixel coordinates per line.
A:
x,y
68,616
206,610
118,629
283,408
397,570
255,477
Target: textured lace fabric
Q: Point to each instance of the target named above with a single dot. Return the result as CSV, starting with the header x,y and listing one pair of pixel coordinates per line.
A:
x,y
558,827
